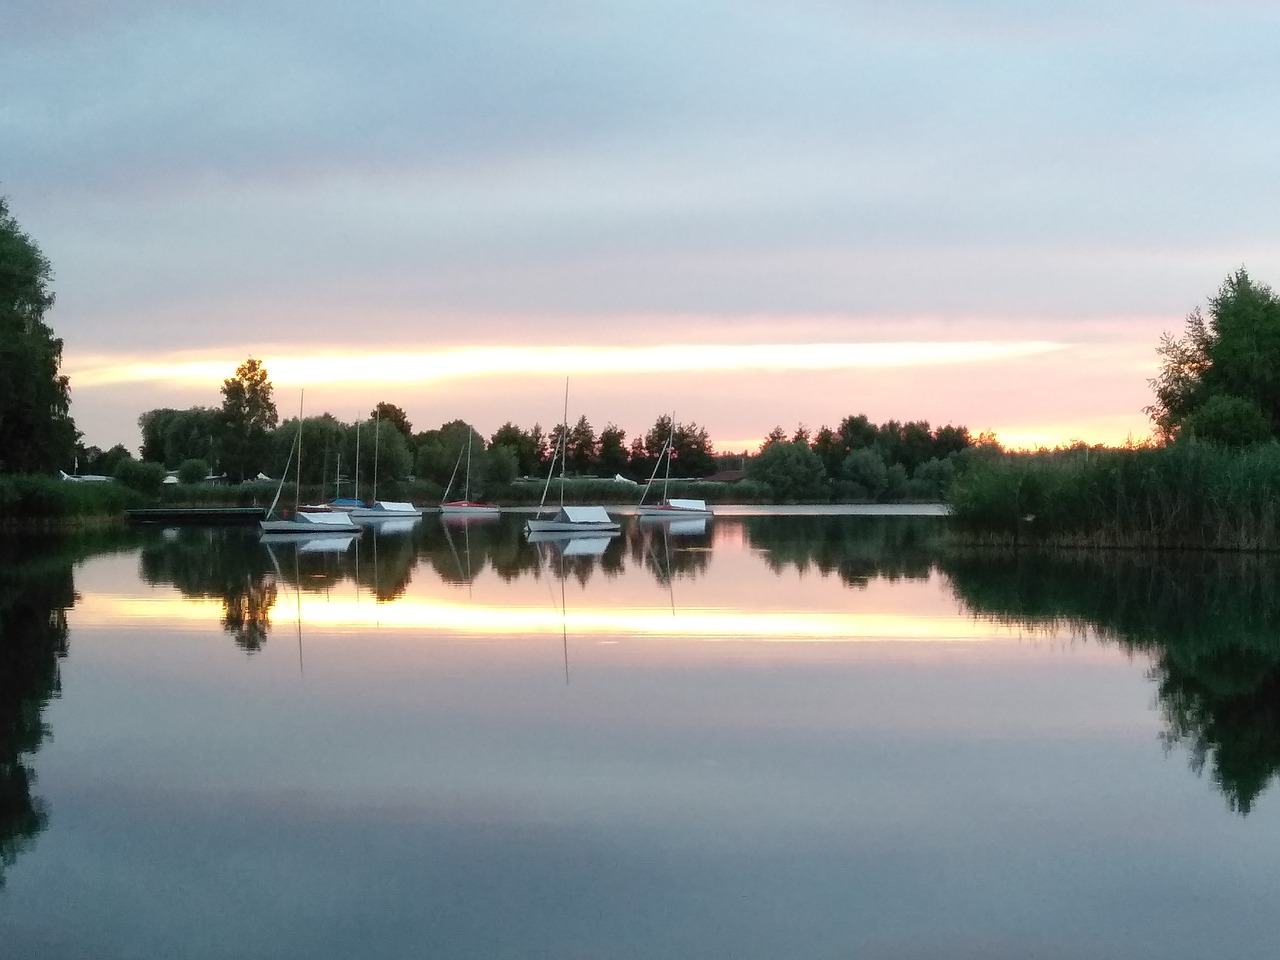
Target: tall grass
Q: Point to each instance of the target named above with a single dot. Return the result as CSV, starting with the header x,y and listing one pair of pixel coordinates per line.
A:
x,y
1182,496
35,499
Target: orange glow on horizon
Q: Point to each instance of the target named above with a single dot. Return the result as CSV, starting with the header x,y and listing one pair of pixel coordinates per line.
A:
x,y
419,365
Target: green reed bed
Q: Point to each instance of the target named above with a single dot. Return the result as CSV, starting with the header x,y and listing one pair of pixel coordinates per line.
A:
x,y
1183,496
26,500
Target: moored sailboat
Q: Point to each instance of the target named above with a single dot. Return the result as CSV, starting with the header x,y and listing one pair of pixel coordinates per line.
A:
x,y
669,507
376,509
568,521
466,507
304,521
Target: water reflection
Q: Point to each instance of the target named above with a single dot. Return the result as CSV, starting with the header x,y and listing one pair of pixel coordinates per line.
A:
x,y
1210,625
36,591
745,719
217,564
1209,622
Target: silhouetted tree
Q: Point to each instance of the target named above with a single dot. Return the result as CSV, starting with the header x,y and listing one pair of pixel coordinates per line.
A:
x,y
37,434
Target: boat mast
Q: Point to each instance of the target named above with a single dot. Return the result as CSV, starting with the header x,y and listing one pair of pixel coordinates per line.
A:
x,y
297,487
671,437
466,483
564,440
377,436
355,493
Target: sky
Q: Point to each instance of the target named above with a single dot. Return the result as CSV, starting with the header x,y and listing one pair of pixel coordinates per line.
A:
x,y
749,214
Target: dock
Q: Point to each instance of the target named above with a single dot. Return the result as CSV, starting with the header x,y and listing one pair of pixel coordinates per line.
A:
x,y
196,515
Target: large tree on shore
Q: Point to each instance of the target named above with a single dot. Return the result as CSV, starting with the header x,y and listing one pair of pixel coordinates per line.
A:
x,y
1220,381
37,433
248,413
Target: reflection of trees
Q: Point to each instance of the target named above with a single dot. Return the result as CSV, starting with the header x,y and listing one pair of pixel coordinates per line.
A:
x,y
36,590
382,562
226,564
857,549
669,556
1210,623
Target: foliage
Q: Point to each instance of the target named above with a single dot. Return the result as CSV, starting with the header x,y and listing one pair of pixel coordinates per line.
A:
x,y
1223,368
170,436
440,453
611,452
580,449
500,464
864,474
248,413
390,413
26,498
791,470
529,446
1184,495
140,475
97,461
37,434
192,471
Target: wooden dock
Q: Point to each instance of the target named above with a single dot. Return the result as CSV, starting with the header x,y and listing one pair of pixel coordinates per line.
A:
x,y
196,515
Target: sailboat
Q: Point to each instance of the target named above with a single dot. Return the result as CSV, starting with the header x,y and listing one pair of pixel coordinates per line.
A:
x,y
466,507
568,520
377,509
669,507
303,521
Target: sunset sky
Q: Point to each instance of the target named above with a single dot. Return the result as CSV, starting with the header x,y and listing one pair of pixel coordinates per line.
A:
x,y
751,213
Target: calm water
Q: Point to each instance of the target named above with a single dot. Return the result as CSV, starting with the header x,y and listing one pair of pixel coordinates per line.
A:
x,y
797,736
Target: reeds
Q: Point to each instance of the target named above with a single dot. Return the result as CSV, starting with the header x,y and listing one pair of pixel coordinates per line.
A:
x,y
1182,496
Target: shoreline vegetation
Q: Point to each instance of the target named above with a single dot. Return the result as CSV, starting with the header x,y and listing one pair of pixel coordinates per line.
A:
x,y
1210,481
1183,496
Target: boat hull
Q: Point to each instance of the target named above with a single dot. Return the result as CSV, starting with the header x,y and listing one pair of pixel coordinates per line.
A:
x,y
674,513
469,509
567,527
383,510
309,528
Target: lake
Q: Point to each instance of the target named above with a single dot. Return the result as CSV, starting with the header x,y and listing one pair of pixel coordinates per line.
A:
x,y
766,736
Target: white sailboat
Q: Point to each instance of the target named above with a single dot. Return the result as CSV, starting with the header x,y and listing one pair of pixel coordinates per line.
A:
x,y
466,507
569,521
377,509
303,521
669,508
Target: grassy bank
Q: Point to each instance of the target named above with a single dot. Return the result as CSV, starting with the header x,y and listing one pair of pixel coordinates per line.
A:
x,y
1183,496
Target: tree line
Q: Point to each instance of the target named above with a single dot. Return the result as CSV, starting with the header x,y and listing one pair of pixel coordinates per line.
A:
x,y
244,438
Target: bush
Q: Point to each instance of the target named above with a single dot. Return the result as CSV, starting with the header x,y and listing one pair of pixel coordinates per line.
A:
x,y
140,475
192,471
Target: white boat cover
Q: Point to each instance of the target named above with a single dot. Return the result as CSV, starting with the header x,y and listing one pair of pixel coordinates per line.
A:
x,y
338,521
394,506
687,504
584,515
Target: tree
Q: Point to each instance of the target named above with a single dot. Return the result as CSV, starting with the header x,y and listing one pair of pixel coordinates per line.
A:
x,y
865,473
248,413
692,452
857,431
792,471
37,433
389,413
612,450
581,451
525,445
1233,353
153,424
